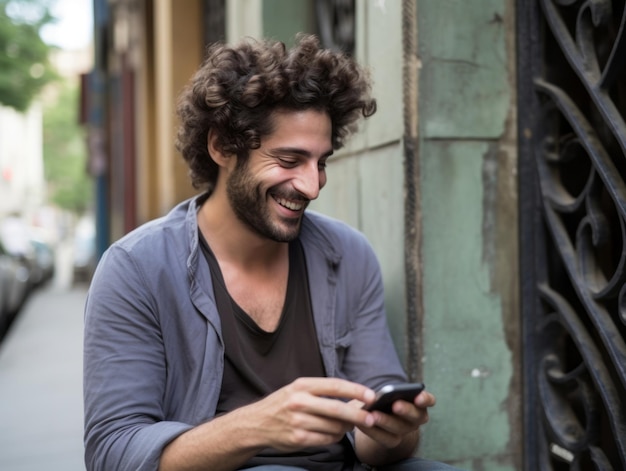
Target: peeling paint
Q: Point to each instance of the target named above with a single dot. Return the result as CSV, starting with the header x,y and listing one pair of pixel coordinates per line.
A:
x,y
500,240
469,194
480,372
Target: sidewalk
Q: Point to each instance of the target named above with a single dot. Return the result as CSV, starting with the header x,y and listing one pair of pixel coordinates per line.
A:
x,y
41,416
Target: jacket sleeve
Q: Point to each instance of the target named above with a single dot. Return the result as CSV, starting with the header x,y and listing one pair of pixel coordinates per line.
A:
x,y
124,371
370,355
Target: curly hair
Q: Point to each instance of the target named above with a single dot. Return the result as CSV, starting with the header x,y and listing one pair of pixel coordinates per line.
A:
x,y
237,88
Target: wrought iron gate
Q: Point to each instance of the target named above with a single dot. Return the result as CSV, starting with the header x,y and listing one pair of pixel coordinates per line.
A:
x,y
572,96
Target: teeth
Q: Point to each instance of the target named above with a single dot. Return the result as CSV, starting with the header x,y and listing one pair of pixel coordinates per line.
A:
x,y
290,204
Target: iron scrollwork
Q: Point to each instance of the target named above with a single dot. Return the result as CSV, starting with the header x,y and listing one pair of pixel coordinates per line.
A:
x,y
580,157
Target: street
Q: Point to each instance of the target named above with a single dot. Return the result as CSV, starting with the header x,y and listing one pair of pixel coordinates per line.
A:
x,y
41,416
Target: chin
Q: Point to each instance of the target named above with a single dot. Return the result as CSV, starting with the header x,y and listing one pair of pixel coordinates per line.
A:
x,y
287,229
287,235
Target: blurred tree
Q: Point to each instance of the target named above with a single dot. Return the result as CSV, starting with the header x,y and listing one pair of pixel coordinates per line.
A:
x,y
24,65
65,152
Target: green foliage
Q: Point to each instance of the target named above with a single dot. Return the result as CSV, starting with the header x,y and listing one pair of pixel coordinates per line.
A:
x,y
24,65
65,152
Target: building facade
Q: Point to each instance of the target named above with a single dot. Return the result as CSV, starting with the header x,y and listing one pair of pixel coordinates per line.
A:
x,y
22,188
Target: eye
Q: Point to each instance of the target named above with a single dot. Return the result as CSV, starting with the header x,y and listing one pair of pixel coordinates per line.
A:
x,y
322,164
287,162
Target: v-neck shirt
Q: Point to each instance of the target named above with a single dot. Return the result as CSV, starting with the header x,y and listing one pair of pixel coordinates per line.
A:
x,y
258,362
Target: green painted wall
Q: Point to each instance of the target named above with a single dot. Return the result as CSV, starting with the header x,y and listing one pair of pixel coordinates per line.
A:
x,y
283,19
469,240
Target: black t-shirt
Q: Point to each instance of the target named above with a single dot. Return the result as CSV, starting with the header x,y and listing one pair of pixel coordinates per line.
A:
x,y
258,362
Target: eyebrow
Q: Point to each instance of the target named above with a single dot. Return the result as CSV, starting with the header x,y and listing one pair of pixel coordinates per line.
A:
x,y
298,151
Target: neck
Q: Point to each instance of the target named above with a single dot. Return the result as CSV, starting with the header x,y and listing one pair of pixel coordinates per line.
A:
x,y
231,240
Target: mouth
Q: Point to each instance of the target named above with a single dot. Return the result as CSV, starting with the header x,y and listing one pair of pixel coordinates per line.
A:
x,y
293,205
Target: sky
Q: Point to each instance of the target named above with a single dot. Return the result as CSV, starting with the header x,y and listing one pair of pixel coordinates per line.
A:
x,y
74,26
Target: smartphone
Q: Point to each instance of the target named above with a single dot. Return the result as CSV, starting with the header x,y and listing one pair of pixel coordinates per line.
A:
x,y
390,393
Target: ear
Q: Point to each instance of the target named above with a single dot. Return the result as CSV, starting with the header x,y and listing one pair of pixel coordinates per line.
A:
x,y
215,151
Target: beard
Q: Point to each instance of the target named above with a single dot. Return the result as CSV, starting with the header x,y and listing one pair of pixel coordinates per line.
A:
x,y
251,207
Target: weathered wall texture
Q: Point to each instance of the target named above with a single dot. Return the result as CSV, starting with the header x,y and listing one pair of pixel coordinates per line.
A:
x,y
467,156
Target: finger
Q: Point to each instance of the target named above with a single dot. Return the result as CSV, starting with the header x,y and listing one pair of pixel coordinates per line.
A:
x,y
320,424
298,438
334,409
334,387
425,399
382,436
413,415
398,424
408,411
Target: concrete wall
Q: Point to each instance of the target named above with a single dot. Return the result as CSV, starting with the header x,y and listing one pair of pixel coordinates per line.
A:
x,y
468,160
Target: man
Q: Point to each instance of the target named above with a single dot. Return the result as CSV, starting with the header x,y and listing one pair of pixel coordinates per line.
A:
x,y
241,330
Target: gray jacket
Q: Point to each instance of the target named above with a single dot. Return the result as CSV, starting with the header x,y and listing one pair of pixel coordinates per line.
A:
x,y
153,354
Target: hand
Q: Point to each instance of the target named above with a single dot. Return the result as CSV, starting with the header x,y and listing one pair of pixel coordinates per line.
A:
x,y
394,436
310,412
307,412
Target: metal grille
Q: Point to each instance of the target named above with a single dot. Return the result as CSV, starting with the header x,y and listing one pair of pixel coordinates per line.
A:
x,y
572,85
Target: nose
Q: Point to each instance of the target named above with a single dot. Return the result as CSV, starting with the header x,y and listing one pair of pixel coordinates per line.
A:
x,y
310,180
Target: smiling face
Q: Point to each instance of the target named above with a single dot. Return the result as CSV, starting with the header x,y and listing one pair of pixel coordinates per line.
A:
x,y
270,190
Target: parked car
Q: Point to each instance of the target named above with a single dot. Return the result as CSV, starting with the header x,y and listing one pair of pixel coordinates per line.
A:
x,y
43,262
14,286
84,250
32,246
